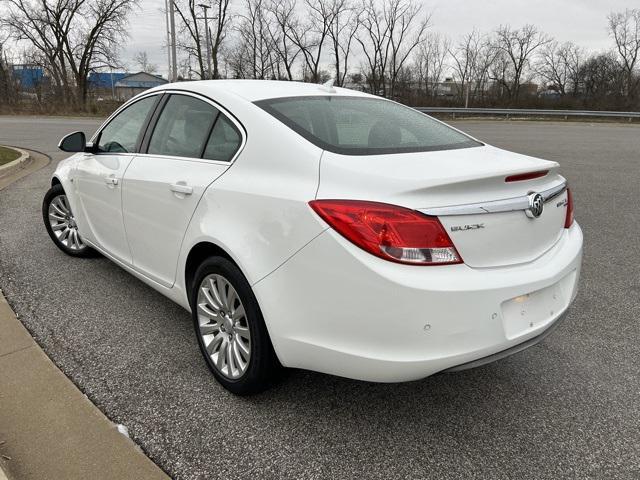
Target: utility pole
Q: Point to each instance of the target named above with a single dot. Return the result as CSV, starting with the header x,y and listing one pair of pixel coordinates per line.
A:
x,y
207,38
166,15
172,25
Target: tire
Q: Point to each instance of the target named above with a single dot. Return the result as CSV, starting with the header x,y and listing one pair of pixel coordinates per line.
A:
x,y
60,224
231,332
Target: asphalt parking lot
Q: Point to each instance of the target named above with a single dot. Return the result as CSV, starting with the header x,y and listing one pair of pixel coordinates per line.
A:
x,y
566,408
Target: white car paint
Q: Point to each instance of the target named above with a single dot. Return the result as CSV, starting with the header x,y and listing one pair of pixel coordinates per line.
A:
x,y
328,305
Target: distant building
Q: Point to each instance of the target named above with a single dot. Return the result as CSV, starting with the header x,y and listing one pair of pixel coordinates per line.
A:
x,y
131,85
105,81
28,77
448,88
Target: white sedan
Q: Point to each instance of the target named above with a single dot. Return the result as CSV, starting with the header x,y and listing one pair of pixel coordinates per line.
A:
x,y
320,228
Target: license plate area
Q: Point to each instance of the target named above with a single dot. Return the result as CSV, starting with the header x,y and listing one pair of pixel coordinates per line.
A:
x,y
531,311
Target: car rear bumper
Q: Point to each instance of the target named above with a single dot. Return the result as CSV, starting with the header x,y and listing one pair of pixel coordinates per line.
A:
x,y
336,309
509,351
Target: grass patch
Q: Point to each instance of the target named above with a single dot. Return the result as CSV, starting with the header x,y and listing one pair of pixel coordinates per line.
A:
x,y
8,155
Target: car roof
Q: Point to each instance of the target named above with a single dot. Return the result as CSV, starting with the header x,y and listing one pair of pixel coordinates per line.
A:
x,y
253,90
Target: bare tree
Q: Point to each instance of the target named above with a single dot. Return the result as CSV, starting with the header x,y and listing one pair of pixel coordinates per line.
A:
x,y
430,61
141,60
73,36
192,39
311,36
465,57
344,25
624,27
8,94
559,65
388,37
517,46
281,33
254,55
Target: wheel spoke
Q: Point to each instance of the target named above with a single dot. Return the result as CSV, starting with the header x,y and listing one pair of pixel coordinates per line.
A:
x,y
222,291
208,328
214,344
58,209
59,226
230,363
232,297
243,348
65,235
206,311
221,361
210,300
238,313
213,289
242,365
243,332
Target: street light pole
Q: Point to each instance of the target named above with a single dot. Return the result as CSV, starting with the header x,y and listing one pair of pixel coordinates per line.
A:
x,y
166,15
207,38
172,23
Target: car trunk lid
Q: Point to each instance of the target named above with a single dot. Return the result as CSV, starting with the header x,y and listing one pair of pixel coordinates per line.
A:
x,y
485,216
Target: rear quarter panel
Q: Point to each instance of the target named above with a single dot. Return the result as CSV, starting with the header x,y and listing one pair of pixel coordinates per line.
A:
x,y
257,211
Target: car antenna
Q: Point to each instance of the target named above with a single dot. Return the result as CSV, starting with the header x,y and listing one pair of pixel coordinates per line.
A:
x,y
328,86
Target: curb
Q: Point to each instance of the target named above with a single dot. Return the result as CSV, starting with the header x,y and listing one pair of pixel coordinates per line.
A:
x,y
43,411
17,164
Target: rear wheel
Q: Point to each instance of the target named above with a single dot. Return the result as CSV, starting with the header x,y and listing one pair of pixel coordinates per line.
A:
x,y
231,331
61,224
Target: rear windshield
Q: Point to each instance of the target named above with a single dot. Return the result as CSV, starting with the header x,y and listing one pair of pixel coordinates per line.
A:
x,y
364,126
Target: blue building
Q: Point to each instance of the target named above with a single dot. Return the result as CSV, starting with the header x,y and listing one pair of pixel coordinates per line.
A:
x,y
28,77
105,80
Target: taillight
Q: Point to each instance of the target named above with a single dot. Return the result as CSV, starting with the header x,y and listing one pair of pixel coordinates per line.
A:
x,y
387,231
569,218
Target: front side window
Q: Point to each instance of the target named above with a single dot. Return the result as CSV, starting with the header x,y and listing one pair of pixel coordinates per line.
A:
x,y
364,126
122,133
183,127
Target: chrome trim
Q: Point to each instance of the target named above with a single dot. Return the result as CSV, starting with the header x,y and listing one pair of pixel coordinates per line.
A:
x,y
505,205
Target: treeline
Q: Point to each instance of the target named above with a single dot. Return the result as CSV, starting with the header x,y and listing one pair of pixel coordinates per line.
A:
x,y
388,48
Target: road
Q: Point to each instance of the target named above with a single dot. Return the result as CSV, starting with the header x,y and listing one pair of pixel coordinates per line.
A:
x,y
567,408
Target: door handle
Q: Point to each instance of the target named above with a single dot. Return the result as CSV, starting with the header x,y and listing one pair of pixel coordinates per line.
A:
x,y
181,188
111,181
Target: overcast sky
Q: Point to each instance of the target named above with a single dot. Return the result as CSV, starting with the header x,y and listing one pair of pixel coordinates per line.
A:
x,y
582,21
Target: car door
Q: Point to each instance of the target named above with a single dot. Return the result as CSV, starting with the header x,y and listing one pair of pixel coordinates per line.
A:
x,y
98,177
190,145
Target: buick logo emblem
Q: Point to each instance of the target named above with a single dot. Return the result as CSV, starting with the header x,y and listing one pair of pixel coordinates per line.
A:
x,y
536,205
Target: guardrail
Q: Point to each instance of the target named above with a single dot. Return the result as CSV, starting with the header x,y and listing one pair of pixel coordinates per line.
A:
x,y
525,112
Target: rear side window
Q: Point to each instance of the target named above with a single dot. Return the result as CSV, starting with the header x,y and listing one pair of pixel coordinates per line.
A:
x,y
122,132
224,141
364,126
183,127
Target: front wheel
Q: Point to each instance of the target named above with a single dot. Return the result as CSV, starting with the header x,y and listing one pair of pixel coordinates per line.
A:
x,y
231,331
61,224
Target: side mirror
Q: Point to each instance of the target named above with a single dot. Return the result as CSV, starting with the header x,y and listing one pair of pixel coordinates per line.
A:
x,y
74,142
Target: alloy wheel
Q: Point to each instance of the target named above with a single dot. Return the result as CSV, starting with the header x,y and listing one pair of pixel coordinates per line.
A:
x,y
63,224
223,326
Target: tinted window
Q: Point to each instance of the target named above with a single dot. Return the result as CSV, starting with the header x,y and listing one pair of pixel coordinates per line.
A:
x,y
364,126
121,134
183,127
224,140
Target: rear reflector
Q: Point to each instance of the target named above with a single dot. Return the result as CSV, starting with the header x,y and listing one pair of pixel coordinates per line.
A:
x,y
526,176
569,219
387,231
